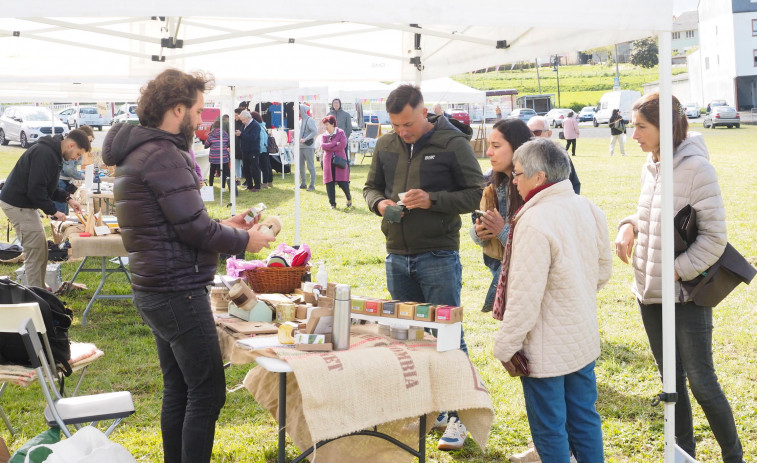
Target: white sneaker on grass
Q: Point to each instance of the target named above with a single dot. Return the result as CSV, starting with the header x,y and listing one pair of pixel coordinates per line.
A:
x,y
527,456
441,421
454,436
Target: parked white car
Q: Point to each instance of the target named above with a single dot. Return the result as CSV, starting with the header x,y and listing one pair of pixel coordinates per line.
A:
x,y
555,117
692,110
64,113
85,115
126,113
27,124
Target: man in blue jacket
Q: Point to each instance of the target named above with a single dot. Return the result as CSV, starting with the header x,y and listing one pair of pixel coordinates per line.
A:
x,y
32,185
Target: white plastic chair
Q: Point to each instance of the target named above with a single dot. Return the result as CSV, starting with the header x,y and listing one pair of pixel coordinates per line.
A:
x,y
11,315
64,411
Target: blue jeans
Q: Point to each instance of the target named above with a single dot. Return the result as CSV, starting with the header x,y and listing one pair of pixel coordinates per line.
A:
x,y
694,360
435,277
62,207
562,416
194,384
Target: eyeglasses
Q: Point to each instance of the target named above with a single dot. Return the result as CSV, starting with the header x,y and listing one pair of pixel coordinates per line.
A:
x,y
537,133
515,174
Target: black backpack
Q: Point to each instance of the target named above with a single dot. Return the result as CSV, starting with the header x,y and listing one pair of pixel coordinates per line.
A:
x,y
57,319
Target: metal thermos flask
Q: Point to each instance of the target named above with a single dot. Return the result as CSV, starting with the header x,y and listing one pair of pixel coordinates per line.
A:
x,y
341,329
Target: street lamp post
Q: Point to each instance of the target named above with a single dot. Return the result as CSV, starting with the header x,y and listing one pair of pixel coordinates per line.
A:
x,y
556,68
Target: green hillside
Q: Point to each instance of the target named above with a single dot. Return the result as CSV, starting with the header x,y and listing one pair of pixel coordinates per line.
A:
x,y
579,85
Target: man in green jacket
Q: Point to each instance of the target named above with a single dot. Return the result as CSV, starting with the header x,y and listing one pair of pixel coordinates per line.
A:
x,y
423,176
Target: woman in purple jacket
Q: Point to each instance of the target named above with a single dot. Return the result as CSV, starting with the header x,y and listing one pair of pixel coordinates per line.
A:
x,y
218,154
334,142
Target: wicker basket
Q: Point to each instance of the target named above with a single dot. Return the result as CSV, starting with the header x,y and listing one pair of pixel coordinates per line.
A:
x,y
275,279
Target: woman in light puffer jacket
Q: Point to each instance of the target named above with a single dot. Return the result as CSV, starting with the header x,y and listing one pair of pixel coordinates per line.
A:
x,y
695,183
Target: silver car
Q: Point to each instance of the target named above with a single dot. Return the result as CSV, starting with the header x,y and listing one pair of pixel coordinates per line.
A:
x,y
556,116
722,115
27,124
86,115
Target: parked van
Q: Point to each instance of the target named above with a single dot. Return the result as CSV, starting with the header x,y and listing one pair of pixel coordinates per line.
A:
x,y
619,99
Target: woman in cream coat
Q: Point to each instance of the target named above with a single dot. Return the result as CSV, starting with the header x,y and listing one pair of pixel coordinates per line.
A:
x,y
556,259
696,184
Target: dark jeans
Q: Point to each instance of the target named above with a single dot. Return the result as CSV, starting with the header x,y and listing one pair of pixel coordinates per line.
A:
x,y
252,172
694,360
331,188
571,142
265,168
224,176
492,291
194,384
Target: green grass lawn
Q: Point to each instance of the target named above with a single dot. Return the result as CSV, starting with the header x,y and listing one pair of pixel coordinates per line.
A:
x,y
579,86
353,246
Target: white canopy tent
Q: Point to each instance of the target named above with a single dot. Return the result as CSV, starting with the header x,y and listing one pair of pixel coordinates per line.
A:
x,y
394,40
446,90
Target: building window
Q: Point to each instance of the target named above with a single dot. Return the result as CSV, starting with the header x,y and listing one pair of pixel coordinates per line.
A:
x,y
676,35
755,58
689,34
707,63
754,27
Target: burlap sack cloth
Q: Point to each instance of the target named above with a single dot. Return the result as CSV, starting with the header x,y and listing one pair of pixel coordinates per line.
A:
x,y
377,382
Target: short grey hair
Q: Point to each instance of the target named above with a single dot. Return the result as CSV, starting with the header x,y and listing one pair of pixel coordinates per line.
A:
x,y
245,115
542,154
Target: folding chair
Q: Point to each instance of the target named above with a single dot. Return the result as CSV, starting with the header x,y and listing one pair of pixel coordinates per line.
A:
x,y
63,411
82,354
10,317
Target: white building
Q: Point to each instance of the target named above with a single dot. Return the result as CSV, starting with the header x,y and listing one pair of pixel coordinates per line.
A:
x,y
725,67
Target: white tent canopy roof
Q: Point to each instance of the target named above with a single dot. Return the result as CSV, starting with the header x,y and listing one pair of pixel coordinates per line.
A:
x,y
446,90
295,40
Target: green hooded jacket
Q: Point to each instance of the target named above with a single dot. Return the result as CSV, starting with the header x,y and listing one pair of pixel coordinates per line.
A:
x,y
441,163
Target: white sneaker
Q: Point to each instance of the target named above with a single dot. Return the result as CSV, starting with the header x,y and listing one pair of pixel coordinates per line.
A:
x,y
528,456
454,436
441,421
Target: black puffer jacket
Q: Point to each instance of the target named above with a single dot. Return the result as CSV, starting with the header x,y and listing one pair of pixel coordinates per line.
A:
x,y
173,244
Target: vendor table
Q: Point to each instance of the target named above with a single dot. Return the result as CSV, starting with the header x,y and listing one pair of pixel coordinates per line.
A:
x,y
104,247
282,368
379,388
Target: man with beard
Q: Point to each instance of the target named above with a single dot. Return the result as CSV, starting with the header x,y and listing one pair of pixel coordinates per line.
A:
x,y
173,250
32,185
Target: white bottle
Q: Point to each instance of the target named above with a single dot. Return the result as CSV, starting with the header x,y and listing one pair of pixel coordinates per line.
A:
x,y
322,278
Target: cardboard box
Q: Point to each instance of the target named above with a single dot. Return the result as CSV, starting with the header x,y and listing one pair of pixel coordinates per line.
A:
x,y
406,310
331,290
301,311
321,321
326,347
424,312
449,314
373,307
357,304
327,302
308,297
389,309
